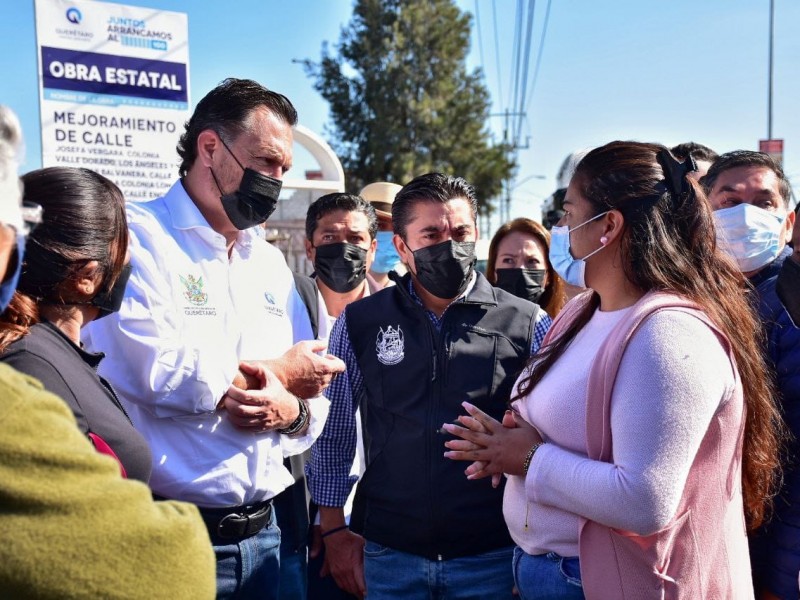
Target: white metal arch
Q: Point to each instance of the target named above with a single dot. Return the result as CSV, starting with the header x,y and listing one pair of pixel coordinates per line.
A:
x,y
332,171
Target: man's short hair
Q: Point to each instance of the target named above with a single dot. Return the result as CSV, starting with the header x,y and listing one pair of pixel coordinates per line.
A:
x,y
431,187
695,150
226,110
339,201
746,158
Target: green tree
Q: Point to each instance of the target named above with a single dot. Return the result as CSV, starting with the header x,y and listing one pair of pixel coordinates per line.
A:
x,y
402,101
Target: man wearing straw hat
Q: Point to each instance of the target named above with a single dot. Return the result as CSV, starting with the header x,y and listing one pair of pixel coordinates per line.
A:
x,y
381,195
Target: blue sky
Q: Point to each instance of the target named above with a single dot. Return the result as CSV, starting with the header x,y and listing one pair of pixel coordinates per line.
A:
x,y
612,69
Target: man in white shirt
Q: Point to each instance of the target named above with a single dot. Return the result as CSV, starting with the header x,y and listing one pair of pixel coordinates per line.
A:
x,y
205,294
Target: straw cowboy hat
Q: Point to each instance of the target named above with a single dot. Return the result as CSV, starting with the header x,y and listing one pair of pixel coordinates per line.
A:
x,y
381,195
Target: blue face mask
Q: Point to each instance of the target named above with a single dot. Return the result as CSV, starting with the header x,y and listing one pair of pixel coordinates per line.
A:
x,y
572,270
750,235
386,257
9,286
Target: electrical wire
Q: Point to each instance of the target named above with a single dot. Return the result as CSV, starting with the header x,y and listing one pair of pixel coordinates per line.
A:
x,y
539,56
524,71
515,68
480,37
497,54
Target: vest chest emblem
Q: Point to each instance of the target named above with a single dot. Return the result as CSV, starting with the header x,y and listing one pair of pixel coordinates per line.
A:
x,y
390,346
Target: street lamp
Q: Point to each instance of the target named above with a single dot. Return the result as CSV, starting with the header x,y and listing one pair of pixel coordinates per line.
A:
x,y
528,178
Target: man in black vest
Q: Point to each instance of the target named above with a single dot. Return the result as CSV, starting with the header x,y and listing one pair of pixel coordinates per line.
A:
x,y
414,353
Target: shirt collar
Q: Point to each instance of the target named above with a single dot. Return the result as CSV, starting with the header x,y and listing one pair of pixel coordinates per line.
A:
x,y
92,359
182,209
185,215
463,294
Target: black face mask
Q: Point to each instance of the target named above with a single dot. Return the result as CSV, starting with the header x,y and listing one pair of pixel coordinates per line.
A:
x,y
446,268
108,302
527,284
254,201
342,267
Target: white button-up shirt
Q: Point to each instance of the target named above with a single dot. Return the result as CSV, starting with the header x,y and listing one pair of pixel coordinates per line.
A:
x,y
190,314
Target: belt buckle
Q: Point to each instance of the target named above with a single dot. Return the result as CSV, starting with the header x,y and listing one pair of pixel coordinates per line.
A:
x,y
220,526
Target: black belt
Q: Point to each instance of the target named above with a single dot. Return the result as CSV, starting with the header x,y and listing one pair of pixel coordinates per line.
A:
x,y
237,522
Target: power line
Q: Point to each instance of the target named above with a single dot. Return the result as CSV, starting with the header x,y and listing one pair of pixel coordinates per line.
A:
x,y
480,39
525,69
497,54
539,56
516,50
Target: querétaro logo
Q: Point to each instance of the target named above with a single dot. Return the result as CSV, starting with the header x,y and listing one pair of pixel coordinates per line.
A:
x,y
194,290
74,16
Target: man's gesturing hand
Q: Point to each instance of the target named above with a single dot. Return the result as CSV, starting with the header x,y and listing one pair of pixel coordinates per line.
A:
x,y
304,372
264,408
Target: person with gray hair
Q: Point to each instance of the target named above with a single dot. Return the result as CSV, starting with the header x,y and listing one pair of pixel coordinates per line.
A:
x,y
71,526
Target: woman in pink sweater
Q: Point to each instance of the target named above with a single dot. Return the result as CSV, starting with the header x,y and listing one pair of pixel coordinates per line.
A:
x,y
643,438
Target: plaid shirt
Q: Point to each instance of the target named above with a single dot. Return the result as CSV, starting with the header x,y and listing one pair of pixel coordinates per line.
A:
x,y
328,472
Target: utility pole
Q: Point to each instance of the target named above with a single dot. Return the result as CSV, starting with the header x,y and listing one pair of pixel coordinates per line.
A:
x,y
504,203
769,93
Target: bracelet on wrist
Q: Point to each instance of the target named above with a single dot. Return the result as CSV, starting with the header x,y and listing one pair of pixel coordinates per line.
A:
x,y
334,530
300,422
526,464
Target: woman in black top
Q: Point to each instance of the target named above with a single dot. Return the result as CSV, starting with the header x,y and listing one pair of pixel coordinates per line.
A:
x,y
75,271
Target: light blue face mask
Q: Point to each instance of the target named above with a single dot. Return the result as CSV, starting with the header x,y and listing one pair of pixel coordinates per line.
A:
x,y
9,286
750,235
386,257
572,270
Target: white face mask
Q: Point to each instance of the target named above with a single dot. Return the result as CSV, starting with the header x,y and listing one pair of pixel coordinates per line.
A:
x,y
572,270
750,235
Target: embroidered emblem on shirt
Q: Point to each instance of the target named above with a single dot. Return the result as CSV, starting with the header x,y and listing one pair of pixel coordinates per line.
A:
x,y
271,306
194,290
390,345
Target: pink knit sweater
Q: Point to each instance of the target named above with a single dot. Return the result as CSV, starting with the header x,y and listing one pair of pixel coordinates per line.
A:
x,y
633,454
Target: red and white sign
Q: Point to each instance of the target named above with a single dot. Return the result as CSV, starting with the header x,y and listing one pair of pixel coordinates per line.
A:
x,y
772,147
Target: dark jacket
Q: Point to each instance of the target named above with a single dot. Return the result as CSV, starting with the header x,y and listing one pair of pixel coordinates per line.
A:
x,y
70,373
776,548
411,498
